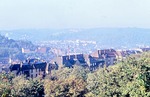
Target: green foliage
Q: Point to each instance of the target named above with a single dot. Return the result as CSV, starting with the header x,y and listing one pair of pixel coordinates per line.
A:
x,y
11,86
66,82
130,78
27,88
5,84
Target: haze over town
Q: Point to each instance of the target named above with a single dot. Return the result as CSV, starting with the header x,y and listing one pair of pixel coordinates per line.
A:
x,y
74,48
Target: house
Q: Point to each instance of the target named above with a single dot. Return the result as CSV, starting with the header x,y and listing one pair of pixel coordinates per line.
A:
x,y
39,69
31,68
70,60
95,63
15,68
120,55
81,63
50,67
108,55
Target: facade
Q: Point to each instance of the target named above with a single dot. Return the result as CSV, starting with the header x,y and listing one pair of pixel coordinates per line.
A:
x,y
108,55
31,68
86,61
50,67
95,63
70,60
34,67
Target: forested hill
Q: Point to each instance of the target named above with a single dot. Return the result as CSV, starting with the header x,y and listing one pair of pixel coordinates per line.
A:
x,y
11,43
104,36
10,47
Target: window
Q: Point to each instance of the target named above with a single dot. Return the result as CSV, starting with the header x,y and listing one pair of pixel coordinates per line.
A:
x,y
31,70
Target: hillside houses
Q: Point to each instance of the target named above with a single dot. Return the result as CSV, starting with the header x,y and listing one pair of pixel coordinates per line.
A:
x,y
109,55
33,67
86,61
70,60
95,60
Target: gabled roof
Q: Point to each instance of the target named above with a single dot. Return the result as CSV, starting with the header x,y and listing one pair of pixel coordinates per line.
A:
x,y
14,67
111,54
69,63
81,63
26,66
40,65
95,60
52,66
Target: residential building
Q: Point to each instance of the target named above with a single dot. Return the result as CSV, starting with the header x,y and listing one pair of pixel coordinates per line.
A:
x,y
70,60
95,63
50,67
31,68
108,55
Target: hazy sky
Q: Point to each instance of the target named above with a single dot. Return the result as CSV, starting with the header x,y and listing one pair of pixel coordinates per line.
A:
x,y
17,14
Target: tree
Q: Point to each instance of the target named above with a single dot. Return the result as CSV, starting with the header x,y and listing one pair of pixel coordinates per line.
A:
x,y
23,87
131,78
66,83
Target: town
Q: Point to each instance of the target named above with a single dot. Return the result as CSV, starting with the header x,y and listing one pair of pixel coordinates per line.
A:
x,y
38,61
35,67
74,48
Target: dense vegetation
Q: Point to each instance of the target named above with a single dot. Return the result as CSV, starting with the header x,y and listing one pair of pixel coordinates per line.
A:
x,y
130,78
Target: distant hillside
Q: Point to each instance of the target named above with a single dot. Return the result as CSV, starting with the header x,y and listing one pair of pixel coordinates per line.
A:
x,y
10,47
104,36
11,43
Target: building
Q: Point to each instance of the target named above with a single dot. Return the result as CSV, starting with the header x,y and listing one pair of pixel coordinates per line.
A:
x,y
70,60
86,61
41,50
30,68
95,63
27,51
108,55
120,55
50,67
